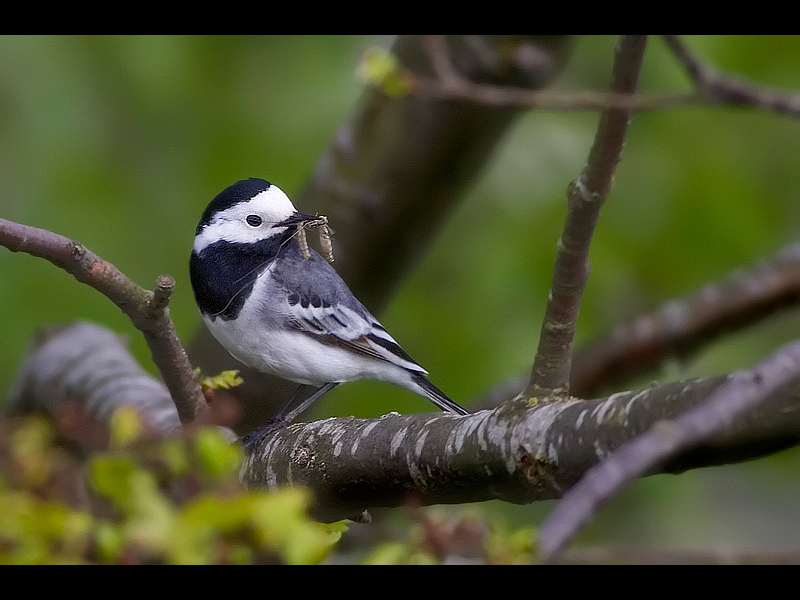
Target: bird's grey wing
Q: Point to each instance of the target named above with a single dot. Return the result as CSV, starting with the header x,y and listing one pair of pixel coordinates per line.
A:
x,y
319,303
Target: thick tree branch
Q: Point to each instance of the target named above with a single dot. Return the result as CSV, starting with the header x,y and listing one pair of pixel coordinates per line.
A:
x,y
148,312
92,367
551,368
739,395
513,453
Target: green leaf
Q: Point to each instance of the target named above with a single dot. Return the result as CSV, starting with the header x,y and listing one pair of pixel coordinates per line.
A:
x,y
111,477
30,445
281,523
125,427
41,532
217,456
398,553
147,514
382,69
225,380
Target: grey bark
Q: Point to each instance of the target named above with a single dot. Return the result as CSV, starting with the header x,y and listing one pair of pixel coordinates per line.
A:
x,y
516,452
92,365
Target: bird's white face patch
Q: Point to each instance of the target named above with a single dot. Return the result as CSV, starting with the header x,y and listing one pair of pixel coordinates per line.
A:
x,y
271,206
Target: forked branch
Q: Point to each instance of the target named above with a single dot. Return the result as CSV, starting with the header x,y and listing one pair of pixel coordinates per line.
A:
x,y
148,311
553,362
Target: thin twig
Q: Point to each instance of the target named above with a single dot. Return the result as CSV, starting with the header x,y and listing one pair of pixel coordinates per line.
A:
x,y
721,88
701,74
449,83
446,74
148,311
165,285
494,96
712,88
741,393
552,365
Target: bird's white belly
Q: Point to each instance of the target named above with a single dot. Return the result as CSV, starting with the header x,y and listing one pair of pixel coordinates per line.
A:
x,y
292,355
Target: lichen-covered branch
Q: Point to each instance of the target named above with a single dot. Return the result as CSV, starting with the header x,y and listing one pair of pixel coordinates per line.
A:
x,y
553,362
149,313
512,453
739,395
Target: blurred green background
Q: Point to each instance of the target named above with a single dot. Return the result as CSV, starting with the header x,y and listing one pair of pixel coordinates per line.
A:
x,y
120,142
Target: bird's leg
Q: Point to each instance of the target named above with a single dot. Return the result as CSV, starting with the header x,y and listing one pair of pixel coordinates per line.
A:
x,y
287,413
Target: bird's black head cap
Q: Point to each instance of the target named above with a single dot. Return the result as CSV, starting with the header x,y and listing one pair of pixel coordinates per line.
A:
x,y
241,191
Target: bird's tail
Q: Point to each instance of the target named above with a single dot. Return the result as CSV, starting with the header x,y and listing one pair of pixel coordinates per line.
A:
x,y
437,396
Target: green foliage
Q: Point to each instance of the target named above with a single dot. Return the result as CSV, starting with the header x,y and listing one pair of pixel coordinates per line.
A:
x,y
125,427
224,380
399,553
456,537
35,531
382,70
176,501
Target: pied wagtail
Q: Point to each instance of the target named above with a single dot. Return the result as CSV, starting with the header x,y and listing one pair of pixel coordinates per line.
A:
x,y
281,314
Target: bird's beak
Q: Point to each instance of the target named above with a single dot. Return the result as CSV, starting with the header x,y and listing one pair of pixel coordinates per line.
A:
x,y
296,218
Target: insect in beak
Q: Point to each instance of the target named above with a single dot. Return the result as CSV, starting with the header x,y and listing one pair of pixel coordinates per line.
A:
x,y
319,222
296,219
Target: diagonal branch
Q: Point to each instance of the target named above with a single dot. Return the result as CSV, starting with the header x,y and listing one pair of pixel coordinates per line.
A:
x,y
148,312
678,327
553,362
721,88
681,326
740,394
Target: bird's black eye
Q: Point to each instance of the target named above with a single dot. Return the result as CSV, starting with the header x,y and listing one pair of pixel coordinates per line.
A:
x,y
253,220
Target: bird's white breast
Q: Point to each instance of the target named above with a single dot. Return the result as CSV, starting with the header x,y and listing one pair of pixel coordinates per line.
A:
x,y
259,338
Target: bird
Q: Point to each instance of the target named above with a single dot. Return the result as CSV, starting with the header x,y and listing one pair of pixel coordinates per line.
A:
x,y
280,311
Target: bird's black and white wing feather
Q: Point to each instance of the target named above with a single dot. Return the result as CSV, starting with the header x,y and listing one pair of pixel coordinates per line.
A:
x,y
321,305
